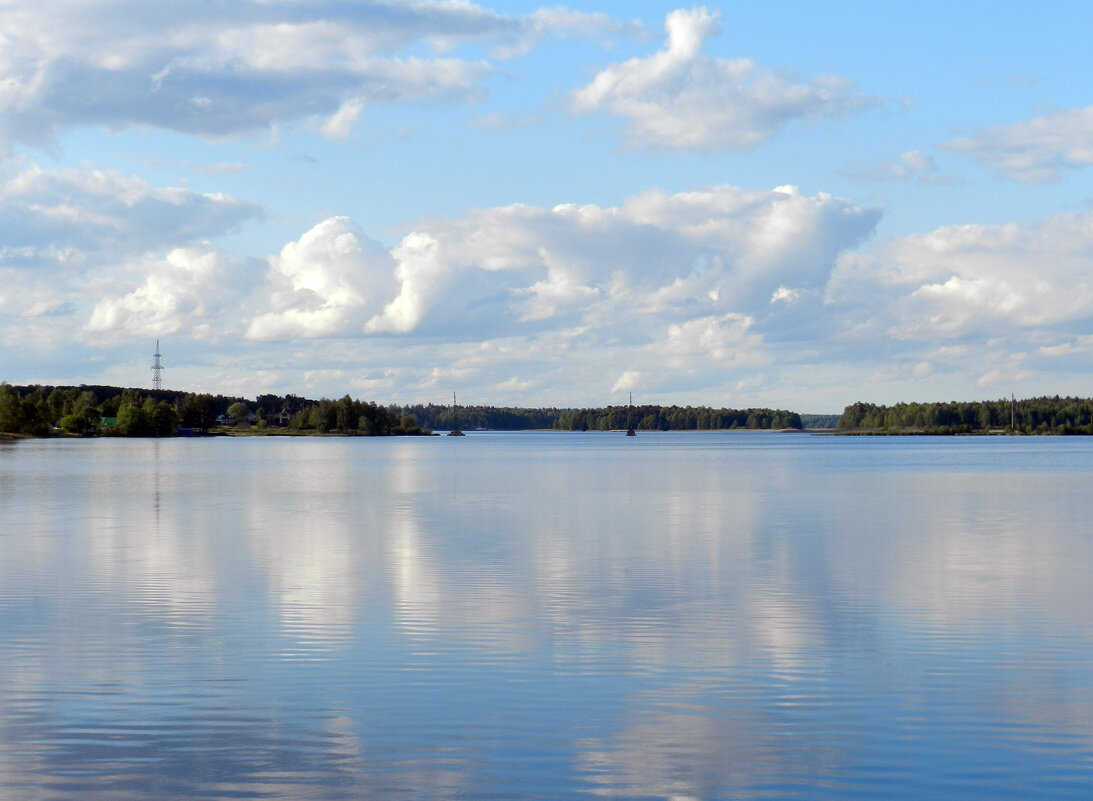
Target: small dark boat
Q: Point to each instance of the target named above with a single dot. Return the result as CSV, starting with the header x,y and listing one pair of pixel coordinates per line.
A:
x,y
456,431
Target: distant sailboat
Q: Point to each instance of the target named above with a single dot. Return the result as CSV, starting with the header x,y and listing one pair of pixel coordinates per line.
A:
x,y
630,432
455,432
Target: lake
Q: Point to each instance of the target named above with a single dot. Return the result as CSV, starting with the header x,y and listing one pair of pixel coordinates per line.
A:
x,y
547,616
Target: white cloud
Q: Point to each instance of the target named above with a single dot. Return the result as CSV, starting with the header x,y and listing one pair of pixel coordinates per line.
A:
x,y
722,339
217,69
53,214
97,256
784,294
627,380
718,290
972,281
325,284
530,301
559,291
564,23
186,290
680,99
913,165
524,297
109,254
340,125
1036,150
658,256
418,273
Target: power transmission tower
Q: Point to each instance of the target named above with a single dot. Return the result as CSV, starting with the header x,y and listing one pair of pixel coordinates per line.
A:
x,y
157,369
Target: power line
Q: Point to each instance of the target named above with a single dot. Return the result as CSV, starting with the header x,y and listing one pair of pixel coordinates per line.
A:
x,y
157,369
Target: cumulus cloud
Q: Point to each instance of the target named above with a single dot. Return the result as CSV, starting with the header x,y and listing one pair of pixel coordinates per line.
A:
x,y
1036,150
661,256
521,298
662,276
973,280
680,99
216,69
97,255
329,282
189,289
724,339
48,216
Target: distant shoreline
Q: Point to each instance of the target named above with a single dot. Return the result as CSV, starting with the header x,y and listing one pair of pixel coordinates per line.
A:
x,y
44,411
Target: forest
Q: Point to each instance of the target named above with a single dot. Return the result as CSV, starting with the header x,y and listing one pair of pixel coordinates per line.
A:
x,y
675,418
40,411
115,411
610,418
1046,415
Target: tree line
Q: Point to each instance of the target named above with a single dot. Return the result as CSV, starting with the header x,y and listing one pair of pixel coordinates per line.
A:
x,y
610,418
102,410
343,416
446,418
116,411
1045,415
674,418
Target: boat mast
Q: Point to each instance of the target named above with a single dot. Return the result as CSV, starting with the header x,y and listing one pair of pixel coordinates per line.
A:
x,y
456,430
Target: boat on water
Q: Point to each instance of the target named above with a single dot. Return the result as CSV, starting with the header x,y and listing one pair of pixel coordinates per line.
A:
x,y
456,431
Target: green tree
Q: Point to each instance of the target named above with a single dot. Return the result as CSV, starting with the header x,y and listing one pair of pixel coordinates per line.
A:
x,y
346,415
239,411
162,419
324,417
198,411
11,418
133,420
76,424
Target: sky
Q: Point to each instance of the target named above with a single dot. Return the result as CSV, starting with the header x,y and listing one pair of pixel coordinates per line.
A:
x,y
789,204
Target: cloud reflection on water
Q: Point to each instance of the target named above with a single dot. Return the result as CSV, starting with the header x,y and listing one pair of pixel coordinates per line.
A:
x,y
322,618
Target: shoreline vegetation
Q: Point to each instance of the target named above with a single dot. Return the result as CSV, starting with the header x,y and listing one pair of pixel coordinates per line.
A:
x,y
1043,415
92,411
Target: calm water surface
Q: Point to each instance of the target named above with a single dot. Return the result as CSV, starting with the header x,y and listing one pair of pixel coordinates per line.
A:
x,y
547,616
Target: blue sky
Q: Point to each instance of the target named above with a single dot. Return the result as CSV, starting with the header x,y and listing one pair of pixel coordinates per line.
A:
x,y
791,204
